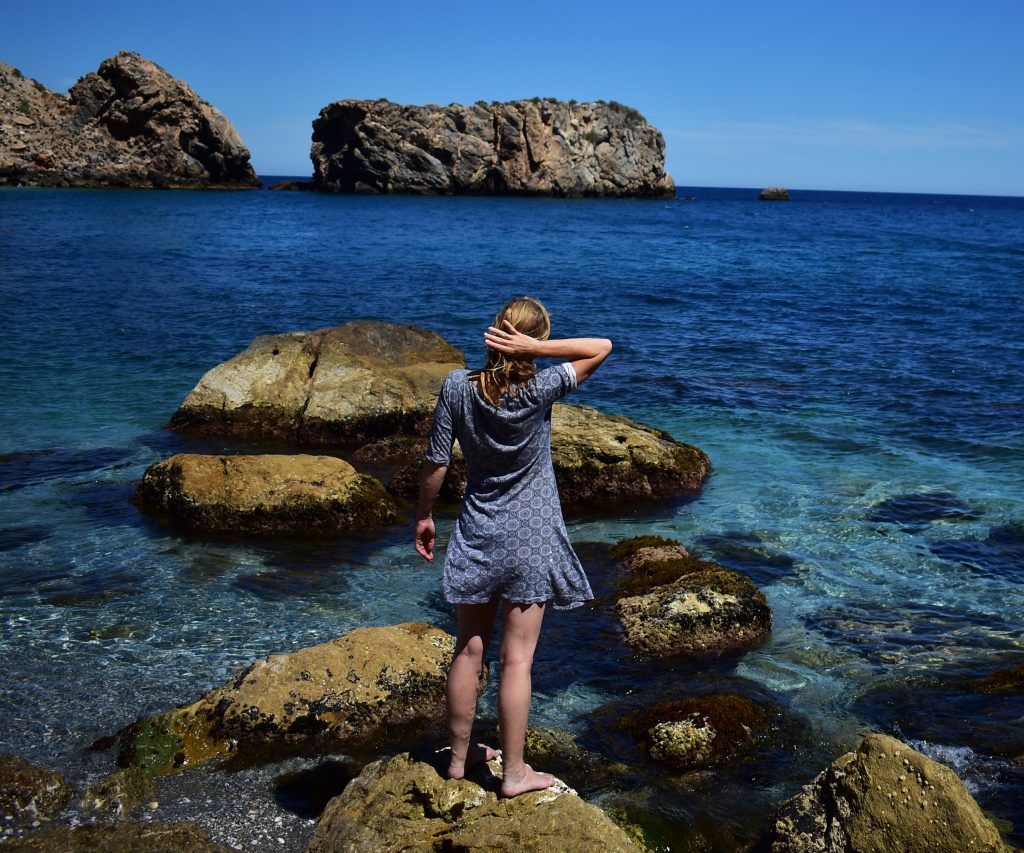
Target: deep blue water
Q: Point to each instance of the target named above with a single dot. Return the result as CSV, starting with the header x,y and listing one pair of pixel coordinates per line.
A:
x,y
852,363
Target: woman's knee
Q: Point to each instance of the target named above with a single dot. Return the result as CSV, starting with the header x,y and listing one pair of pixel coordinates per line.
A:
x,y
473,649
513,657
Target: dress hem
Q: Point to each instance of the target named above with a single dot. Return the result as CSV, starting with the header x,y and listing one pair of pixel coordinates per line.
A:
x,y
556,605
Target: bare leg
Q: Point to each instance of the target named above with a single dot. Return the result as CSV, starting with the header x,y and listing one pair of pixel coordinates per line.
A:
x,y
515,689
475,624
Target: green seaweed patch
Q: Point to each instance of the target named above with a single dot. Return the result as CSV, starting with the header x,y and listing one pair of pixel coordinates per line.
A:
x,y
735,719
1001,681
651,574
149,745
628,547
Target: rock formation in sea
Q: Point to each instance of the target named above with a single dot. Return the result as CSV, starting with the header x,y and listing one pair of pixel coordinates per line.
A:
x,y
301,494
774,194
29,792
884,796
375,385
401,803
368,684
128,124
673,605
539,147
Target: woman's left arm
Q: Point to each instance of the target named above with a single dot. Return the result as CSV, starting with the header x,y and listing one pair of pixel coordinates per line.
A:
x,y
431,478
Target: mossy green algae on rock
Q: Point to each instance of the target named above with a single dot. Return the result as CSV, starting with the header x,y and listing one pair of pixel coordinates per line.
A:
x,y
367,684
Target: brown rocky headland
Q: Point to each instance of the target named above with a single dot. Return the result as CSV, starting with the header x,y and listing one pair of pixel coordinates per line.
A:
x,y
127,124
538,147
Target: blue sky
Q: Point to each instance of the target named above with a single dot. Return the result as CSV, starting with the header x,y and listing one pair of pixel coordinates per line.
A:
x,y
907,96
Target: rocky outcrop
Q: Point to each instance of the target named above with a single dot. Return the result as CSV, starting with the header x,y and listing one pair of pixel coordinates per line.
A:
x,y
121,793
368,684
29,792
538,147
884,796
312,495
774,194
698,731
344,385
673,605
128,124
400,804
599,460
156,837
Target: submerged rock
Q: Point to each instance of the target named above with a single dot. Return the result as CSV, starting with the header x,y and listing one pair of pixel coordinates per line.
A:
x,y
351,383
598,459
884,796
313,495
125,837
121,793
400,804
128,124
29,792
368,684
538,147
673,605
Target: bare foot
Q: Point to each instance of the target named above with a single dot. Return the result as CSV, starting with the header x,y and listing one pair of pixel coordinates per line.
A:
x,y
528,779
478,753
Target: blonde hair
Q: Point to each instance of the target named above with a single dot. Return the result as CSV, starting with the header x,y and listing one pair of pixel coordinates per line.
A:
x,y
503,374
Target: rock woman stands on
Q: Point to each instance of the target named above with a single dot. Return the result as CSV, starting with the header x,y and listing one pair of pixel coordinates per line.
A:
x,y
509,545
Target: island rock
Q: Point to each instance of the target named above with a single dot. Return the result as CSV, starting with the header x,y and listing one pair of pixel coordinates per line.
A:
x,y
369,684
344,385
599,460
537,147
673,605
312,495
884,796
128,124
774,194
401,804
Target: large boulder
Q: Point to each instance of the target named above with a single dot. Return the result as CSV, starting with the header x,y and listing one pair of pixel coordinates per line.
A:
x,y
885,796
128,124
598,459
372,683
673,605
313,495
400,804
29,792
538,147
124,837
345,385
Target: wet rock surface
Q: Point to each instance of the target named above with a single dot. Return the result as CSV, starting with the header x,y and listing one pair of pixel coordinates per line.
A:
x,y
403,804
300,494
673,605
121,793
29,792
119,838
368,685
884,796
128,124
345,385
538,147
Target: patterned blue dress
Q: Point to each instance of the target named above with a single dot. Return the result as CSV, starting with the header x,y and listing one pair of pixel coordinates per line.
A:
x,y
510,540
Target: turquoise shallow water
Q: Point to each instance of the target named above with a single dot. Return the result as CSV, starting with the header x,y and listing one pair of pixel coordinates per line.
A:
x,y
853,364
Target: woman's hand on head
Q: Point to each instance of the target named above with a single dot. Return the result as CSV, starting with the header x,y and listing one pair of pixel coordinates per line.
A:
x,y
425,535
511,342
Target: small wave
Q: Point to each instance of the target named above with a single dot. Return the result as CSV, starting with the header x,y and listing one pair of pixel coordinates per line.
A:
x,y
978,772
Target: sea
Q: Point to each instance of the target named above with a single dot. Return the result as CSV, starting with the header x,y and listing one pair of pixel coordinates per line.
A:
x,y
852,363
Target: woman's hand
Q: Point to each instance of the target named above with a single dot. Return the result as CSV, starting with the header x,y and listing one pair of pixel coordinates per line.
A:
x,y
511,342
425,538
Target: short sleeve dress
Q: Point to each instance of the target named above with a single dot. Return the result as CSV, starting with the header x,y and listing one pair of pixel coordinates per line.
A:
x,y
509,540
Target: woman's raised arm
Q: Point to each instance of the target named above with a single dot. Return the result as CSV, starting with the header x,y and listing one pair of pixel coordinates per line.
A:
x,y
586,354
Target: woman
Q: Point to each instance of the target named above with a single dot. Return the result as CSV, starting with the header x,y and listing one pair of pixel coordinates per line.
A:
x,y
509,545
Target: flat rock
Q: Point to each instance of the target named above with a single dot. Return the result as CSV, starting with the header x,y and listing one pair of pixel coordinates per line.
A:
x,y
313,495
28,791
363,686
340,386
884,796
673,605
599,460
156,837
128,124
538,147
400,804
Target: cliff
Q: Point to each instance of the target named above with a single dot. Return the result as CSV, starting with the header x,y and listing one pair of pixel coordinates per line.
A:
x,y
537,147
128,124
